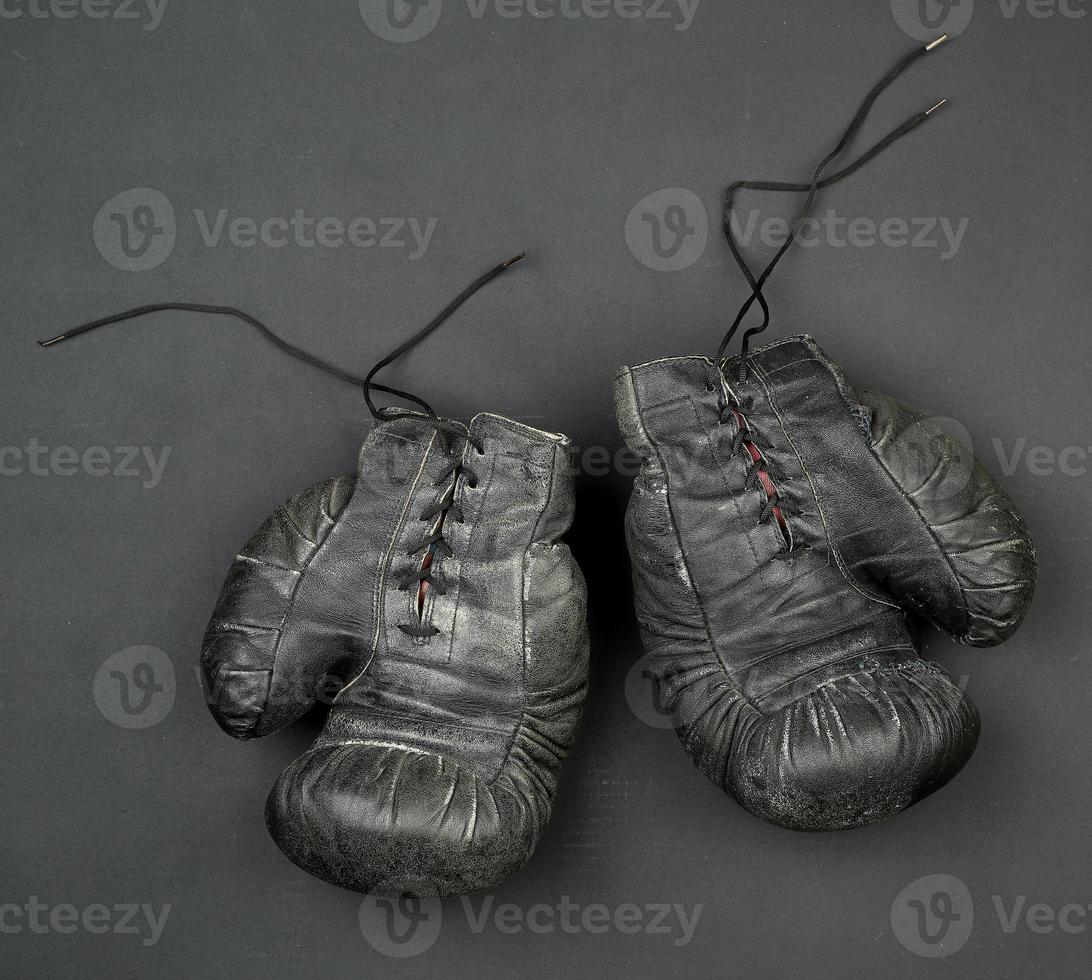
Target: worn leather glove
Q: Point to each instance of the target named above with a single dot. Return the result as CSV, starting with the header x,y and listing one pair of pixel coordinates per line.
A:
x,y
435,583
779,530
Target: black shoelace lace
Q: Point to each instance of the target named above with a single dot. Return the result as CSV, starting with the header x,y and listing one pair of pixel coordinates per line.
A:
x,y
732,407
445,509
421,574
457,472
762,473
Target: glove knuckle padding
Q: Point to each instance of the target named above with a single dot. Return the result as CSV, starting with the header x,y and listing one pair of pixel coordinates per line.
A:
x,y
261,669
794,685
439,761
976,578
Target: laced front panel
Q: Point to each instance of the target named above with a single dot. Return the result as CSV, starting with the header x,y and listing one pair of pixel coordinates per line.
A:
x,y
732,408
422,574
446,509
455,476
762,473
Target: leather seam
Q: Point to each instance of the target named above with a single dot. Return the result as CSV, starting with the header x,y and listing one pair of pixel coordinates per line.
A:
x,y
269,564
289,607
785,367
469,541
378,611
386,713
299,530
818,638
832,544
523,623
639,419
733,495
944,554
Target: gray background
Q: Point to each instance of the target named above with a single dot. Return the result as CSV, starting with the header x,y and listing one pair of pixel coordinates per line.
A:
x,y
538,133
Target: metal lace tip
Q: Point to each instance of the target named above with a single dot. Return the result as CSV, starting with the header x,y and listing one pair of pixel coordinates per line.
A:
x,y
515,258
938,42
52,340
929,112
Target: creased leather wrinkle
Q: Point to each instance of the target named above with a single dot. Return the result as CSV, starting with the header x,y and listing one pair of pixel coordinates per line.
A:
x,y
787,666
439,762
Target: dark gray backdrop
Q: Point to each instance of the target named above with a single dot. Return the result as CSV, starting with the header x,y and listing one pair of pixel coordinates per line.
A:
x,y
129,129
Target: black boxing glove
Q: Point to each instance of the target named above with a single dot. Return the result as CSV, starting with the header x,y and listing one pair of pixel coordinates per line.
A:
x,y
435,585
781,526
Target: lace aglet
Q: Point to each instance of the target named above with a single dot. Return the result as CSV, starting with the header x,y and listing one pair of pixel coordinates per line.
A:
x,y
515,258
929,112
52,340
938,42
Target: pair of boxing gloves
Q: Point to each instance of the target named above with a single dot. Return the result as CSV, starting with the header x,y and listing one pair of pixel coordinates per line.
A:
x,y
782,526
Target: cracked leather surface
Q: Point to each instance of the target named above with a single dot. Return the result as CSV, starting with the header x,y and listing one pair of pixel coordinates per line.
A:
x,y
795,685
439,761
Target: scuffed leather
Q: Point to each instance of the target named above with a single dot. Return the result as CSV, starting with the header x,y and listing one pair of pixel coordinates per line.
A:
x,y
439,761
795,685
